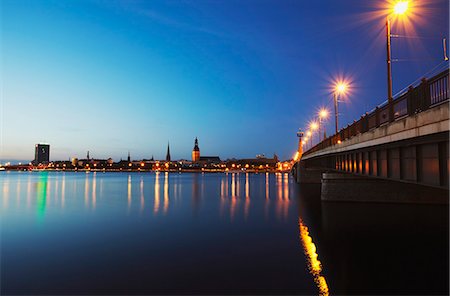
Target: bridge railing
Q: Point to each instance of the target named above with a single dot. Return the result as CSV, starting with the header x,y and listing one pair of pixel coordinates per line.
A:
x,y
429,93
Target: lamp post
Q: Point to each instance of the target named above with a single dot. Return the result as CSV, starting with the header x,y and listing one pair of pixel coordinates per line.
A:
x,y
399,9
309,134
323,114
340,88
314,126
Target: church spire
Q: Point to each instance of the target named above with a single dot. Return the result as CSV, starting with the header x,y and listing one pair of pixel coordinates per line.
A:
x,y
87,156
129,158
168,152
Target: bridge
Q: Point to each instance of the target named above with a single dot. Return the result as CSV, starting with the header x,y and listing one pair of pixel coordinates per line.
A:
x,y
399,152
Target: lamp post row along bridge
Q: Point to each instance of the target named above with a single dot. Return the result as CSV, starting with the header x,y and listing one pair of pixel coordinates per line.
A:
x,y
399,152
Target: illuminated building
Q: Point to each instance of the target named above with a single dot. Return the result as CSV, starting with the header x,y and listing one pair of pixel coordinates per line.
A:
x,y
196,151
210,159
260,163
41,154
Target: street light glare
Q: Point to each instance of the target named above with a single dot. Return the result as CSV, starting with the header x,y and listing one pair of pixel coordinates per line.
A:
x,y
341,87
323,113
401,7
314,126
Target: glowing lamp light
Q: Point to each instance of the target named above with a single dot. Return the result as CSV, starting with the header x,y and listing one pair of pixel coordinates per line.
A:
x,y
323,113
309,133
401,7
341,87
314,126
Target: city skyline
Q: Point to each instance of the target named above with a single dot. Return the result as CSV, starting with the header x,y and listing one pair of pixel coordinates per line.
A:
x,y
113,77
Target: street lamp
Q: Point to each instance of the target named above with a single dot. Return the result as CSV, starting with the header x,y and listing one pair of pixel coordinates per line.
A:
x,y
340,89
309,134
314,126
323,114
399,9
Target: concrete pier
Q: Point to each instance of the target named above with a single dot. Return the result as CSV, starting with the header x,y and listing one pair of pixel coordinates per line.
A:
x,y
341,186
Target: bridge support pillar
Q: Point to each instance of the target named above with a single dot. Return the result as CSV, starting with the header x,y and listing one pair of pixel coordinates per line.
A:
x,y
340,186
309,175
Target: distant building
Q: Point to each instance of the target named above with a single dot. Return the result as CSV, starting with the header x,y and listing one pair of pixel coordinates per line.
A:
x,y
196,151
210,159
258,163
168,153
41,154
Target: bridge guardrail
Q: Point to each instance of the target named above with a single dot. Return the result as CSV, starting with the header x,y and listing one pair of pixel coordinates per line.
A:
x,y
426,95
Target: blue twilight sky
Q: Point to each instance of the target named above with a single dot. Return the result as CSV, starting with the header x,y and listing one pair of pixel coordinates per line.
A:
x,y
243,76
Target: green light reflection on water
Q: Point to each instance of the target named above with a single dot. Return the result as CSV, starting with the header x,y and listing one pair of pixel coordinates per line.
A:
x,y
41,194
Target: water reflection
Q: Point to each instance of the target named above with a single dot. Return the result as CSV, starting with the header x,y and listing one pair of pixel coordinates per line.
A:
x,y
141,187
63,191
94,190
86,191
166,192
233,184
41,193
236,191
18,192
247,196
29,191
282,197
157,201
267,197
129,191
5,194
314,265
286,186
196,194
356,243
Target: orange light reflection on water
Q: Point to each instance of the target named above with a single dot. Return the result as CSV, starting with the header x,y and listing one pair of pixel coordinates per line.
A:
x,y
314,265
166,192
156,206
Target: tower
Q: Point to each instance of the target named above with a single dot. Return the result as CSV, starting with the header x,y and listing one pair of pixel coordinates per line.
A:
x,y
196,151
299,152
129,158
41,154
168,153
87,156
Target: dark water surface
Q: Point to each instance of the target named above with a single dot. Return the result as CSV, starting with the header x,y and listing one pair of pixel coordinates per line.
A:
x,y
161,233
